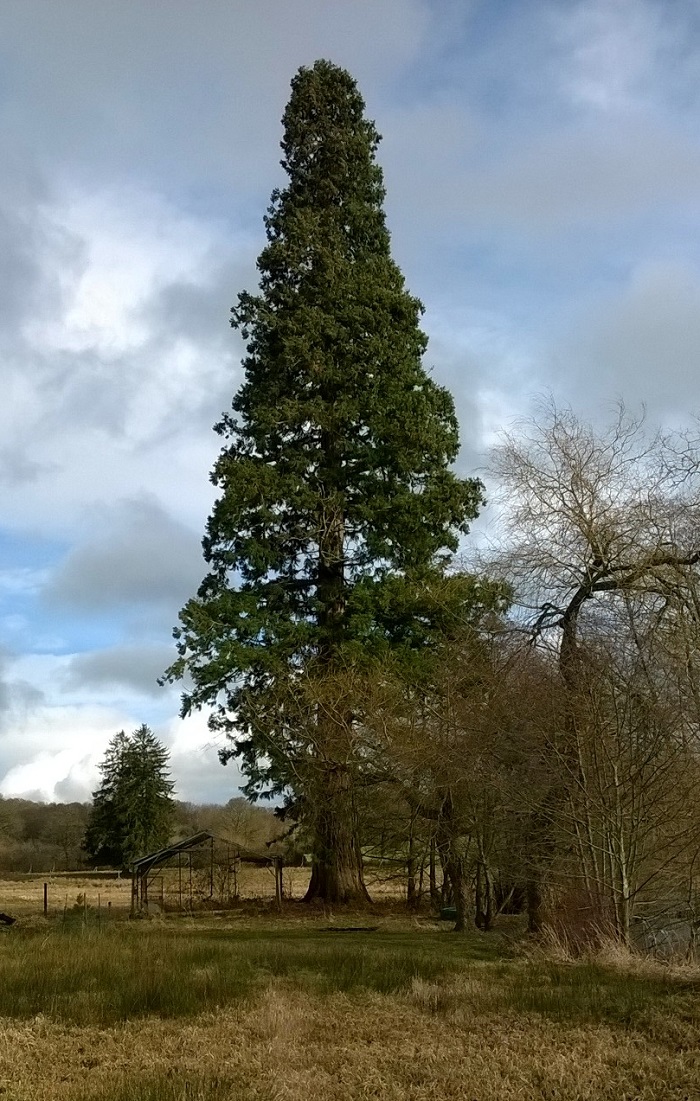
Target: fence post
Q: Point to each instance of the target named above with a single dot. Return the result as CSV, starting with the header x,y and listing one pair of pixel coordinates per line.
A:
x,y
278,881
46,899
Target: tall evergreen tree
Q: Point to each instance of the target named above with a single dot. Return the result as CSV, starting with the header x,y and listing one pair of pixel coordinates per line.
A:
x,y
133,807
334,478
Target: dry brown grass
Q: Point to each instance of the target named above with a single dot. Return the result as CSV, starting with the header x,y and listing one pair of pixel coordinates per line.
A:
x,y
290,1047
490,1028
22,895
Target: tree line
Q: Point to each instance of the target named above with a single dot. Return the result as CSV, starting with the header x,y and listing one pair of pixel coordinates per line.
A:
x,y
50,837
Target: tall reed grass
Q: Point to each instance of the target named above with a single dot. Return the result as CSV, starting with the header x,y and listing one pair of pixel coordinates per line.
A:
x,y
101,976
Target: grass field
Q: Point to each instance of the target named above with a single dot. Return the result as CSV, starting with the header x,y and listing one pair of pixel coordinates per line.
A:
x,y
255,1007
22,894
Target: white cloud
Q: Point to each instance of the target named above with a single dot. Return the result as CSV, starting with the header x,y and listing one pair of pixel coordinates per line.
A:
x,y
131,243
53,741
49,776
51,745
194,760
105,393
611,49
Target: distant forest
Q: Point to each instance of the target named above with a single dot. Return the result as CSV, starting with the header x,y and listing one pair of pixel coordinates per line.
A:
x,y
46,837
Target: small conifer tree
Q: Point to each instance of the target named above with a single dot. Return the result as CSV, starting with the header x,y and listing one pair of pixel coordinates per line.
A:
x,y
133,807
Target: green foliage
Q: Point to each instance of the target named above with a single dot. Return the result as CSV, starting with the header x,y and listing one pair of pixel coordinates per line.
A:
x,y
132,812
336,494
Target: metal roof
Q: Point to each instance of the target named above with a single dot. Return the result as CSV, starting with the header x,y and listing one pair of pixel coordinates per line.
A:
x,y
145,862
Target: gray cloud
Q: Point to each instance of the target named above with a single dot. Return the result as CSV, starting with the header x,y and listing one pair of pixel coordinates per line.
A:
x,y
18,468
461,365
140,558
181,91
18,697
201,312
642,343
22,191
69,790
134,667
590,175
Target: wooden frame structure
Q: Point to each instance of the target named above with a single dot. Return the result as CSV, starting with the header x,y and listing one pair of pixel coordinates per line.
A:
x,y
148,869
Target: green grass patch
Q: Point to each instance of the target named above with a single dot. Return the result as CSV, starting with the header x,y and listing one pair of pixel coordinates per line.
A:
x,y
114,973
327,969
102,975
581,992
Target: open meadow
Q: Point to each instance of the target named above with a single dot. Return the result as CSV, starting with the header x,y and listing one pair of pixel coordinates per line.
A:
x,y
248,1004
21,894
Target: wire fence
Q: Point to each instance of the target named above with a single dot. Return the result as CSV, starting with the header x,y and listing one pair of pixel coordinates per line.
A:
x,y
108,895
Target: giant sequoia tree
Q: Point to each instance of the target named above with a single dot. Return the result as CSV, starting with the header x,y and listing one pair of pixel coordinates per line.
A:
x,y
334,478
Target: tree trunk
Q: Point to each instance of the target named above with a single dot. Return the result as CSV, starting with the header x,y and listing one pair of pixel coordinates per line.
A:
x,y
434,889
454,871
541,840
412,898
535,908
453,864
336,875
336,872
484,897
541,849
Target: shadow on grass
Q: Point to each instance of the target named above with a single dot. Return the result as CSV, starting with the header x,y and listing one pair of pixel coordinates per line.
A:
x,y
586,992
163,1087
580,993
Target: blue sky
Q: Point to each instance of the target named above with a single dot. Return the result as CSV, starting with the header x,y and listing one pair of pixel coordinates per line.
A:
x,y
542,164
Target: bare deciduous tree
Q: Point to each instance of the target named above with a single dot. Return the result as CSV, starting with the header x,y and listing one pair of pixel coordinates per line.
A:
x,y
602,548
